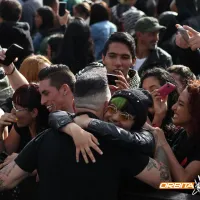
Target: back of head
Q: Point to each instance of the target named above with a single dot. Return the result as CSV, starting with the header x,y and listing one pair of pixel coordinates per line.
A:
x,y
58,75
184,72
47,15
83,9
91,89
129,19
10,10
121,37
99,12
76,35
30,67
55,41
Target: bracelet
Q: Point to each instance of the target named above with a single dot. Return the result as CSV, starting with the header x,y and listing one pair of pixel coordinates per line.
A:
x,y
11,72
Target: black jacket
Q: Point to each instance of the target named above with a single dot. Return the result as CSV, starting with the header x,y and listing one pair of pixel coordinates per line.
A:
x,y
141,141
19,33
157,58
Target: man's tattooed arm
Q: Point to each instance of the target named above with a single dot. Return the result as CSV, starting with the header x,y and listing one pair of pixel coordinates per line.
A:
x,y
161,158
11,175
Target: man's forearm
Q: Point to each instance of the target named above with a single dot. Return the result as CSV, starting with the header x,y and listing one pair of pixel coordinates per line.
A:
x,y
161,157
11,175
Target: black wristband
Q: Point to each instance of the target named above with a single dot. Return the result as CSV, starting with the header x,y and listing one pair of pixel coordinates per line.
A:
x,y
11,72
59,119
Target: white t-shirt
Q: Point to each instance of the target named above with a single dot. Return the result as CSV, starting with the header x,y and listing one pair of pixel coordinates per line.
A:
x,y
139,63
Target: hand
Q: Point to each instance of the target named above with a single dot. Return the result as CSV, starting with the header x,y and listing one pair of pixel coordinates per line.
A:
x,y
159,137
83,141
194,41
82,120
8,160
159,103
7,119
121,83
63,20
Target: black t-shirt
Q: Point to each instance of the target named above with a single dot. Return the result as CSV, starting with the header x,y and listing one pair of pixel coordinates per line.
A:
x,y
186,149
52,153
25,136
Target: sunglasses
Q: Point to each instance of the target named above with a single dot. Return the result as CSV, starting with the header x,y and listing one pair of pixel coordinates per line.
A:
x,y
18,110
123,116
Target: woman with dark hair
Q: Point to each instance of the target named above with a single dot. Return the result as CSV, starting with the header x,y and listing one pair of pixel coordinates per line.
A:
x,y
44,21
101,27
28,118
184,160
161,113
77,48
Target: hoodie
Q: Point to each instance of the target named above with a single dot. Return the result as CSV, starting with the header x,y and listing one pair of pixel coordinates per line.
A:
x,y
19,33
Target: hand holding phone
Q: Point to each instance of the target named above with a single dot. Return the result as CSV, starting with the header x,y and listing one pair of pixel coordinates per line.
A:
x,y
62,7
111,79
166,89
11,54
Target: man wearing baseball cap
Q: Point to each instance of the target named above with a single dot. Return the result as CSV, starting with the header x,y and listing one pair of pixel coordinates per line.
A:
x,y
148,54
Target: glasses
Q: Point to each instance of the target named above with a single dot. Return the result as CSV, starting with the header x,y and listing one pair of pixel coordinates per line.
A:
x,y
123,116
18,110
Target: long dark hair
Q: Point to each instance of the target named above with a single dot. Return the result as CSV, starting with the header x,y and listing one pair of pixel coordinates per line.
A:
x,y
47,15
77,48
28,96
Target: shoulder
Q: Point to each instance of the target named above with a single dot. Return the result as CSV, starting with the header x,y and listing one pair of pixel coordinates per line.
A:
x,y
163,53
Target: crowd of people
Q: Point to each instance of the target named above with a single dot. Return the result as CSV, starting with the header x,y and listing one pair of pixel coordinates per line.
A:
x,y
82,113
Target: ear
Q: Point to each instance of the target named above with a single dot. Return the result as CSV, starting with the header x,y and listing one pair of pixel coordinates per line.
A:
x,y
64,89
34,113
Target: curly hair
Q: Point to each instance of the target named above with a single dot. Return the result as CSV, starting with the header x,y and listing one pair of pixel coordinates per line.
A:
x,y
194,107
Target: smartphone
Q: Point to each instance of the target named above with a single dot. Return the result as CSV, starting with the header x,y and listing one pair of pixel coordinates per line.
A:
x,y
111,79
12,53
183,33
166,89
62,7
3,156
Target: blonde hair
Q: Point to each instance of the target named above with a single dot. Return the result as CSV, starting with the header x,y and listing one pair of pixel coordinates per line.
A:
x,y
30,67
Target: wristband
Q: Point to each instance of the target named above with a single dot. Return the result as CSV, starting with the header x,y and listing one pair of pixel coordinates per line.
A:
x,y
59,119
11,72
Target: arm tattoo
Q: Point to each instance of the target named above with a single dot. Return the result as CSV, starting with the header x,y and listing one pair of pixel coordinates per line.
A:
x,y
161,158
4,173
151,164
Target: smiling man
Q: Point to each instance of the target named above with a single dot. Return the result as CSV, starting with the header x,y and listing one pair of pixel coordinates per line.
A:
x,y
56,85
148,54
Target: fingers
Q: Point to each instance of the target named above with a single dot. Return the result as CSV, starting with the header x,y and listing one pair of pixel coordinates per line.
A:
x,y
84,155
121,85
94,139
77,154
90,154
191,30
